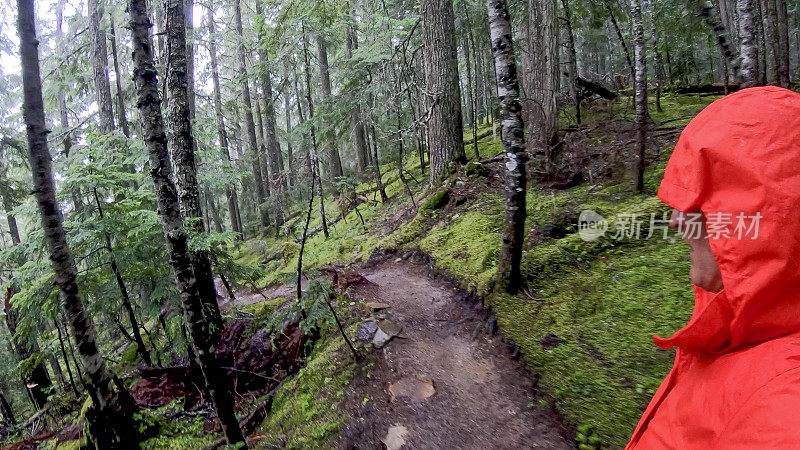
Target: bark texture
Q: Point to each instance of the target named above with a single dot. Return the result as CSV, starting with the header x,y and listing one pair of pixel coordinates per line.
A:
x,y
149,103
640,95
747,43
99,51
512,135
222,134
182,144
357,133
445,127
540,74
111,419
333,162
249,122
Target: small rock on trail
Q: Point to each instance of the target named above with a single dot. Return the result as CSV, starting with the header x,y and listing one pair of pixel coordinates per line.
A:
x,y
442,386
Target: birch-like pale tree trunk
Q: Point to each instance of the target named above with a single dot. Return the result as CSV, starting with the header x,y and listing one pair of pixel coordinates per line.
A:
x,y
512,135
111,418
748,47
657,55
169,208
445,126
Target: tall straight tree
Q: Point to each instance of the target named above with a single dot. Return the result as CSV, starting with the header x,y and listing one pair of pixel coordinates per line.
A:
x,y
222,134
356,125
540,74
277,179
445,127
783,42
111,417
182,144
287,109
249,122
512,135
572,63
99,52
748,47
640,92
168,204
333,162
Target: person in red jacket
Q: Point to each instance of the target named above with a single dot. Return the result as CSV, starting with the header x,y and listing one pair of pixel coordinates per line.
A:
x,y
735,383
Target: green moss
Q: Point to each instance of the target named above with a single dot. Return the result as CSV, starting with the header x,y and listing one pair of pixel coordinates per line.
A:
x,y
305,412
476,169
437,200
466,247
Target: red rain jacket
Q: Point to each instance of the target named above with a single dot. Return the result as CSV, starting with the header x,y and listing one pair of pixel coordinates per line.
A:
x,y
735,383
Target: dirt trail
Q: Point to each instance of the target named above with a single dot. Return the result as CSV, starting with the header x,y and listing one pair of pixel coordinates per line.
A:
x,y
483,397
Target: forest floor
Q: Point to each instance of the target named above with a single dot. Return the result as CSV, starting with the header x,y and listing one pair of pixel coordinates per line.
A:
x,y
447,380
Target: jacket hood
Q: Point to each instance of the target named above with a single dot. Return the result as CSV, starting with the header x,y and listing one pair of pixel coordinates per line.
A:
x,y
739,160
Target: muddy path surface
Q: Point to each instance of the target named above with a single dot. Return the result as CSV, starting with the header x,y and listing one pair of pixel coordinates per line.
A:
x,y
446,381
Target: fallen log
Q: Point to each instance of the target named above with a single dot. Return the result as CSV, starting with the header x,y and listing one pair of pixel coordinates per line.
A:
x,y
589,88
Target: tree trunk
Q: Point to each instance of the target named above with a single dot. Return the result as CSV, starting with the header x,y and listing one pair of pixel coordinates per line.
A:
x,y
287,106
469,44
66,358
277,178
761,41
657,55
572,63
716,24
182,145
512,135
356,126
102,87
772,40
37,381
249,123
640,92
169,210
445,126
783,43
214,213
747,43
333,162
222,134
111,420
121,115
628,58
5,407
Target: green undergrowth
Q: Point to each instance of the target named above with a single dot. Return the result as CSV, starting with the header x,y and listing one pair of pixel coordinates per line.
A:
x,y
305,412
